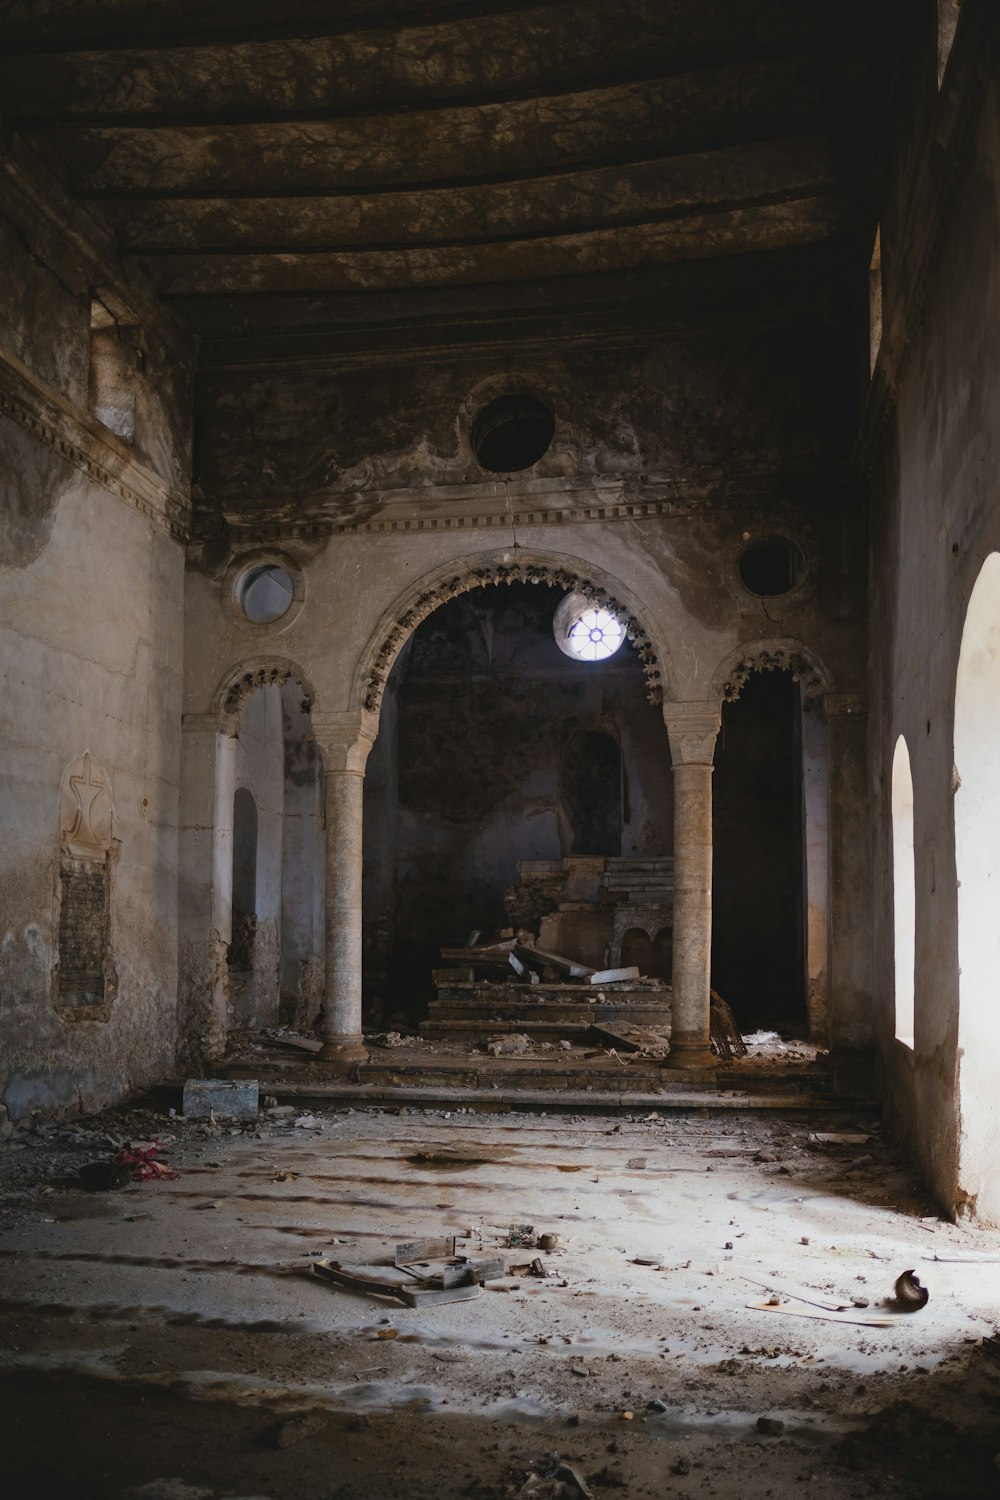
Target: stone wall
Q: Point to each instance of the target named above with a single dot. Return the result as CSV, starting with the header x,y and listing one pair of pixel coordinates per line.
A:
x,y
91,624
933,441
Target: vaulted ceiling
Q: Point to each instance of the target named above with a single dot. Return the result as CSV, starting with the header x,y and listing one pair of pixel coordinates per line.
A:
x,y
357,170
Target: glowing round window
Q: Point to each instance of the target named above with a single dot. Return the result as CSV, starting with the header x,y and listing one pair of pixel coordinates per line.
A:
x,y
585,630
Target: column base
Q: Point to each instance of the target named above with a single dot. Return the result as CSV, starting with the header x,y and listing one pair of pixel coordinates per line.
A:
x,y
342,1051
690,1054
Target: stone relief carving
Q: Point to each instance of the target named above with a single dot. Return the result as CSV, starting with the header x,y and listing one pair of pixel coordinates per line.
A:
x,y
84,976
774,659
85,810
507,573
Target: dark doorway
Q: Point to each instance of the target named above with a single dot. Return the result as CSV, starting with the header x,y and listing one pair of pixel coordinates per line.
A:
x,y
757,905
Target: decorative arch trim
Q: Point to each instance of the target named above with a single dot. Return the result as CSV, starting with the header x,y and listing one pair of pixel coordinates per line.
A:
x,y
779,655
237,685
482,572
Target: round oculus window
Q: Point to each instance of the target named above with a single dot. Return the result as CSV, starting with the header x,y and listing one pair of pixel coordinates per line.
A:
x,y
585,630
772,566
512,433
265,593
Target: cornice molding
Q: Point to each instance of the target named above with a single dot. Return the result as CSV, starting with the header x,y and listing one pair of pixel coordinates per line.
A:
x,y
547,502
90,447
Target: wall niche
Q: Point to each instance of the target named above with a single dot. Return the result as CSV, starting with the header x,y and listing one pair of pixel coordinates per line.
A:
x,y
85,980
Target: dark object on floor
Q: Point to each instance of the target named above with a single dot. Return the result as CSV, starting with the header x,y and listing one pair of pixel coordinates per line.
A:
x,y
104,1176
910,1295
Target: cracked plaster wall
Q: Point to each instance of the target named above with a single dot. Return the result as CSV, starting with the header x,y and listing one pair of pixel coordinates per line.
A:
x,y
936,518
91,625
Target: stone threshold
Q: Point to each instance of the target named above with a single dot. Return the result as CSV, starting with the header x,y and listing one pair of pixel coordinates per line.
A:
x,y
565,1100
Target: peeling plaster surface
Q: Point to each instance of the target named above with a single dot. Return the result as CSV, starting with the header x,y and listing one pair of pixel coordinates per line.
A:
x,y
91,599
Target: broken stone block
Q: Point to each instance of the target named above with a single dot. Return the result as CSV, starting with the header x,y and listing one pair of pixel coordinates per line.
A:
x,y
221,1099
508,1046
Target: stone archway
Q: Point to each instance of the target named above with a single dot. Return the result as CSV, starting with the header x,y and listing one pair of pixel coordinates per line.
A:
x,y
480,571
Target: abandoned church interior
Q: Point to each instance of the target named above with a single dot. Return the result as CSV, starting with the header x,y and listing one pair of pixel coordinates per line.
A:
x,y
500,601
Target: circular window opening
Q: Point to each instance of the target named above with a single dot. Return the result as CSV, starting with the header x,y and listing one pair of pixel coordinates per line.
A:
x,y
585,630
773,566
512,433
265,593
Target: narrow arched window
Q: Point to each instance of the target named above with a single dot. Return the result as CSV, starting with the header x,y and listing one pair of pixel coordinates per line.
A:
x,y
903,892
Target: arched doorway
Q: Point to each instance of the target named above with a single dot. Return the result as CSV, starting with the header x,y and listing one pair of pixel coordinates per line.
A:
x,y
496,749
275,964
977,863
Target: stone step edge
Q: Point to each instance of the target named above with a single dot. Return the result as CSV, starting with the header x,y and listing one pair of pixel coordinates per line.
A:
x,y
550,1099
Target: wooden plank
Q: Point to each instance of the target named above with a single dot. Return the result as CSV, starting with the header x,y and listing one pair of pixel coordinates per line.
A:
x,y
555,961
411,1296
827,1317
410,1251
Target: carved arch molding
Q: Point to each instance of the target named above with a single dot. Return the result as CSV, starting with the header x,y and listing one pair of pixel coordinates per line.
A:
x,y
484,576
804,669
268,674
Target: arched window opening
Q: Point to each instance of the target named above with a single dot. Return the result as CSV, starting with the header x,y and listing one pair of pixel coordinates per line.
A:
x,y
977,862
903,892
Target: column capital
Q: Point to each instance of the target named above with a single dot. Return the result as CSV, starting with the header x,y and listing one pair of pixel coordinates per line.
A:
x,y
692,729
345,739
837,705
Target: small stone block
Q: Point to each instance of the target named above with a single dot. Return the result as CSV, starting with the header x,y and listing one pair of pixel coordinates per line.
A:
x,y
237,1100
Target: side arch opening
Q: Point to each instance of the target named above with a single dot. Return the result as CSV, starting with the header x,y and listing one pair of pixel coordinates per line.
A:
x,y
903,894
977,865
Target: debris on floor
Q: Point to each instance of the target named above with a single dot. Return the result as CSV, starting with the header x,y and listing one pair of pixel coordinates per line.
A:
x,y
178,1342
726,1040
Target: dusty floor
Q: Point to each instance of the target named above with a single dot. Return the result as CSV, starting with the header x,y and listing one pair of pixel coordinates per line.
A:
x,y
170,1339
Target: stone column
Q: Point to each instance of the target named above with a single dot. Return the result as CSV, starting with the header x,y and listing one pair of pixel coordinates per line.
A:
x,y
344,742
850,924
692,729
